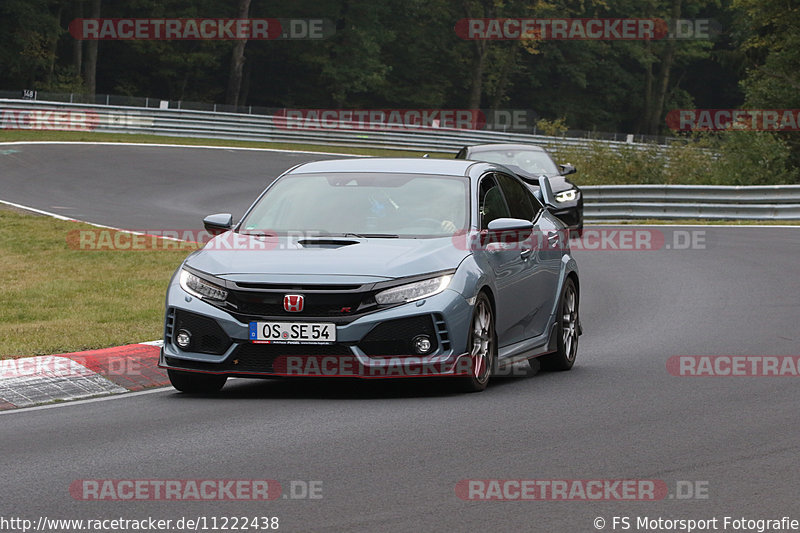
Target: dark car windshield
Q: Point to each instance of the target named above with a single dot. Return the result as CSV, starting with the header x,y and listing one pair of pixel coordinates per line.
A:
x,y
363,204
534,163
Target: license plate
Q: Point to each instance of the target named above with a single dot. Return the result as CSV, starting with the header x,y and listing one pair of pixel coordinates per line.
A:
x,y
293,332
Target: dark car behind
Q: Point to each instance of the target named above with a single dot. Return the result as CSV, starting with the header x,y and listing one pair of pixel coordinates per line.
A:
x,y
530,161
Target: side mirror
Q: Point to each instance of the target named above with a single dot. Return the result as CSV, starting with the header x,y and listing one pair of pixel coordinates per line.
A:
x,y
508,230
219,223
546,195
567,169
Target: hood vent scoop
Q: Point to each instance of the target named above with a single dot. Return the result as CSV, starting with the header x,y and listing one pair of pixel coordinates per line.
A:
x,y
325,243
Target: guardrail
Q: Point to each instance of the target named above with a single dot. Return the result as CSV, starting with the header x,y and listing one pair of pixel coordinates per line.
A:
x,y
528,115
707,202
601,203
264,128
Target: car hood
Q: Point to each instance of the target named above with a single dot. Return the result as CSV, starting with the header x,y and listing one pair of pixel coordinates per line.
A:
x,y
239,257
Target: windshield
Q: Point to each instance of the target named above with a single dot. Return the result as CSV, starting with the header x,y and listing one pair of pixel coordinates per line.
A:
x,y
531,162
362,204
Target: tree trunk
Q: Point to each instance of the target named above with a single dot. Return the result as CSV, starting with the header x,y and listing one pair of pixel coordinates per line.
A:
x,y
77,45
477,75
90,72
248,69
662,85
481,50
509,61
647,109
237,60
54,48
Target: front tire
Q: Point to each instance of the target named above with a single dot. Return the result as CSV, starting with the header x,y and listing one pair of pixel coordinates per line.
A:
x,y
567,331
483,346
192,382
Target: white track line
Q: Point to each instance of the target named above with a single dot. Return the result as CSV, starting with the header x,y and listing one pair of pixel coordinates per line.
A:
x,y
68,219
88,400
47,213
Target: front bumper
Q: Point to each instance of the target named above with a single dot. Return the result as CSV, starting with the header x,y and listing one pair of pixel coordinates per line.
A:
x,y
338,366
356,353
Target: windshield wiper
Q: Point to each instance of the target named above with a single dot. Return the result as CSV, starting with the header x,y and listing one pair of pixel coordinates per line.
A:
x,y
370,235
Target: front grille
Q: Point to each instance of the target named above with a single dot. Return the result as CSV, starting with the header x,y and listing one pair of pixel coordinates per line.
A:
x,y
295,288
441,331
261,357
169,325
394,337
206,335
317,303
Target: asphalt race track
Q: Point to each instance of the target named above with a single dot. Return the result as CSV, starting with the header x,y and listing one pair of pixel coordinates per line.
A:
x,y
139,187
389,454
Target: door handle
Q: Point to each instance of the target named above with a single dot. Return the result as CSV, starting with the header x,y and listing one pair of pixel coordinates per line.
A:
x,y
525,253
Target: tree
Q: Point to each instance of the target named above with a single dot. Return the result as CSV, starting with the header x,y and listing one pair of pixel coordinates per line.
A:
x,y
237,60
352,64
90,65
773,48
27,51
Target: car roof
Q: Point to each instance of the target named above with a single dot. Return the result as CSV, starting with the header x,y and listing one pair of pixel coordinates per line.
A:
x,y
447,167
505,146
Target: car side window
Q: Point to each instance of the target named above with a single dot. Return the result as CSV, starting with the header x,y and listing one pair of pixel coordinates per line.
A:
x,y
491,202
519,197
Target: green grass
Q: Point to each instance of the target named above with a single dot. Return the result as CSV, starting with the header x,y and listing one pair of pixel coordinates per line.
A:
x,y
57,299
77,136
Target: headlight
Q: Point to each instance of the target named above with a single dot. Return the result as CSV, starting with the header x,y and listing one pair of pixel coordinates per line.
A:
x,y
413,291
567,196
201,288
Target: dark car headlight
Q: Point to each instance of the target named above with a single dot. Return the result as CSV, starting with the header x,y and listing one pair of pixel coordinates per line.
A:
x,y
413,291
201,288
567,196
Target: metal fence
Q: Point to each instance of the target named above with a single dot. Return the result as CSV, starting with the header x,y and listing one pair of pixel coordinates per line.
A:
x,y
529,123
602,203
267,128
707,202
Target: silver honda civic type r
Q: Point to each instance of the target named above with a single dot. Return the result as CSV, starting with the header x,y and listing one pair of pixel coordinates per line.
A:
x,y
377,268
